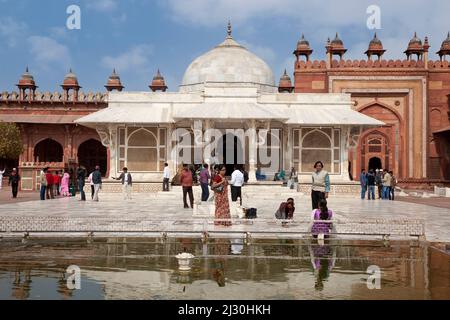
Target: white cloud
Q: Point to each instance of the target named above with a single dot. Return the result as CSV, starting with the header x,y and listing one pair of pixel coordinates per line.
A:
x,y
134,59
47,52
12,30
321,19
103,5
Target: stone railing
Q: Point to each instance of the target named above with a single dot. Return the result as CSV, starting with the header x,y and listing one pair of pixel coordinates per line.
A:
x,y
316,64
398,228
56,97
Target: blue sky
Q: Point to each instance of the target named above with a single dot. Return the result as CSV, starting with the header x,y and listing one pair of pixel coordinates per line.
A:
x,y
140,36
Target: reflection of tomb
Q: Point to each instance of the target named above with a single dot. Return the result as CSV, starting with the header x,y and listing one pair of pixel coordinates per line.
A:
x,y
132,284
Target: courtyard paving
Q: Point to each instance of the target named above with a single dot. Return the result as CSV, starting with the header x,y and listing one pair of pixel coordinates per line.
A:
x,y
168,206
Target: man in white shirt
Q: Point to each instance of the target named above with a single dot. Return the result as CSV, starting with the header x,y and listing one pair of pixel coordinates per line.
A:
x,y
166,177
1,177
237,181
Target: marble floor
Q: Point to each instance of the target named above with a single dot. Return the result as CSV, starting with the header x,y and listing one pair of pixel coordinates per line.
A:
x,y
169,206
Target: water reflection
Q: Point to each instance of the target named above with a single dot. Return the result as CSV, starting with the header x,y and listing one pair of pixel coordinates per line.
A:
x,y
323,258
127,268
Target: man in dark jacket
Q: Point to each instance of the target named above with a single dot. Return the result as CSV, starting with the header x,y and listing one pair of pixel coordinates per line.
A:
x,y
81,178
127,183
14,179
97,180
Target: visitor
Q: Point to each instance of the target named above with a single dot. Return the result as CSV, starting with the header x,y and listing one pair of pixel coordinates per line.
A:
x,y
43,182
237,181
363,183
220,188
387,185
91,183
49,177
322,213
379,182
286,211
81,178
166,177
56,183
293,179
371,185
259,175
14,180
186,181
127,183
320,184
393,185
2,172
65,184
204,182
245,173
279,176
97,180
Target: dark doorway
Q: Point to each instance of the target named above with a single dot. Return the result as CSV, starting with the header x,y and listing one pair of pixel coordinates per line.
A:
x,y
48,150
232,152
374,163
92,153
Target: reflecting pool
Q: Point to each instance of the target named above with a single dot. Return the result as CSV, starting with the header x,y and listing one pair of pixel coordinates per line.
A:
x,y
146,268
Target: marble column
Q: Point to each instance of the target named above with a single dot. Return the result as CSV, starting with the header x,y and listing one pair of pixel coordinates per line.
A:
x,y
252,151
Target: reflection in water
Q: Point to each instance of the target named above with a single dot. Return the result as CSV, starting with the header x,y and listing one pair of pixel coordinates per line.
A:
x,y
22,284
323,257
137,268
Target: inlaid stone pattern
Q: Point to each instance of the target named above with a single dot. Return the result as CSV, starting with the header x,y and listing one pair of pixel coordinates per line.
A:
x,y
137,188
343,189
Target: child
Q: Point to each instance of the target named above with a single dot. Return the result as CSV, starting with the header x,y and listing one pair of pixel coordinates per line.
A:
x,y
323,213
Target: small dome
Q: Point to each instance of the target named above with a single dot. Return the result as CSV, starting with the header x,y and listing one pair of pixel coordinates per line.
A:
x,y
337,42
27,79
415,41
446,43
114,82
303,42
158,83
228,64
285,83
70,80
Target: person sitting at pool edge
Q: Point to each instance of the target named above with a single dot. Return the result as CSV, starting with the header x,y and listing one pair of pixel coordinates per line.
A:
x,y
323,213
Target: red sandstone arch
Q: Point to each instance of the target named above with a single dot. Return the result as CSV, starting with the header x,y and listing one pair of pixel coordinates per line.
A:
x,y
91,153
394,122
48,150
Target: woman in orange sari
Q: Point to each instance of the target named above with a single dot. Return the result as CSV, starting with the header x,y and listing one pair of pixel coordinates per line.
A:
x,y
220,187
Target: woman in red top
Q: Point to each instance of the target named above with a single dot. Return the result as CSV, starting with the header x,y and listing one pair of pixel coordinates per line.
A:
x,y
220,187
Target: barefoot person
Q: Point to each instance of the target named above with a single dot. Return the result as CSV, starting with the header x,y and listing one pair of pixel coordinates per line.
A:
x,y
320,184
220,187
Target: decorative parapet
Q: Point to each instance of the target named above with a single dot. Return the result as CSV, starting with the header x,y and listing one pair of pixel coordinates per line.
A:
x,y
56,97
376,64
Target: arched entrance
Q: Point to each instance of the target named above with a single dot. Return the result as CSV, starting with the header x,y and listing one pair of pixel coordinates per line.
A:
x,y
231,151
374,164
375,151
92,153
48,150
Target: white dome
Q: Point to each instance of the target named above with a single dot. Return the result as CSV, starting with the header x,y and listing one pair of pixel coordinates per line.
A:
x,y
228,64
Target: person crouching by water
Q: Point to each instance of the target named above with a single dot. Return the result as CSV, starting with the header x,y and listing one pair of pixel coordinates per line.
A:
x,y
220,187
323,213
286,211
320,185
127,183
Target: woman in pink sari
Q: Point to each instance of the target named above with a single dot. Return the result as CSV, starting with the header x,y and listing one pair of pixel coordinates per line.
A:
x,y
65,185
220,187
